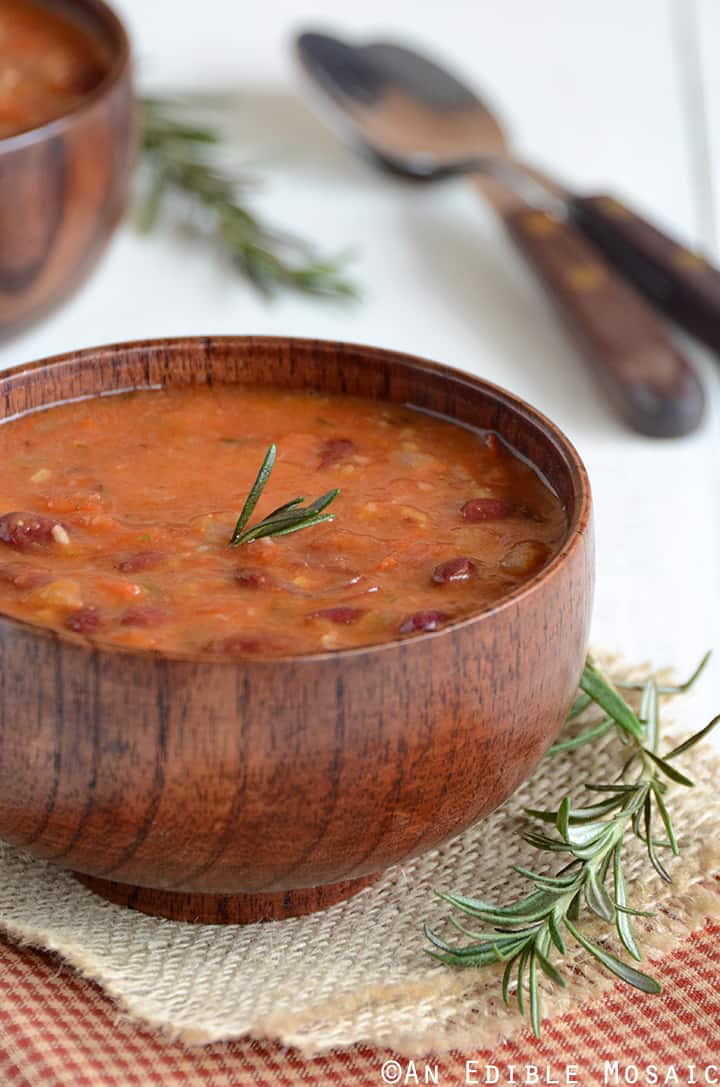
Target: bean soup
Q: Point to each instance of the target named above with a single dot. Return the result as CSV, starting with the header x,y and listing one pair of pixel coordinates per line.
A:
x,y
117,515
49,61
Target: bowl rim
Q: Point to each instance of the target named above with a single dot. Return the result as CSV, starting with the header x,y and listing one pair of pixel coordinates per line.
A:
x,y
578,525
120,66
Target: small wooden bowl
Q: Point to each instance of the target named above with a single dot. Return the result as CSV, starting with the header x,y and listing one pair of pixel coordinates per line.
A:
x,y
258,789
64,186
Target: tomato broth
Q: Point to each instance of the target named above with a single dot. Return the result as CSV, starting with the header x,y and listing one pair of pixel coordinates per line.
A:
x,y
49,62
116,515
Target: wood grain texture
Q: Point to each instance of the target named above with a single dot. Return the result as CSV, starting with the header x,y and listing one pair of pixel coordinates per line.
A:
x,y
651,385
64,187
681,282
240,909
269,777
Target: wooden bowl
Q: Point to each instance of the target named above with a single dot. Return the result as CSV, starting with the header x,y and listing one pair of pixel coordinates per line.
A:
x,y
256,789
64,186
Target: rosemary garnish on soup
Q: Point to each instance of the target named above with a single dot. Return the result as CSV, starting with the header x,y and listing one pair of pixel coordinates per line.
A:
x,y
290,517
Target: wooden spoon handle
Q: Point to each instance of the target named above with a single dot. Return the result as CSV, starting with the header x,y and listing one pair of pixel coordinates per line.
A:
x,y
650,384
680,282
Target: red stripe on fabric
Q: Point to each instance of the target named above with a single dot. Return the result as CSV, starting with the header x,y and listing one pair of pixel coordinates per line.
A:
x,y
53,1022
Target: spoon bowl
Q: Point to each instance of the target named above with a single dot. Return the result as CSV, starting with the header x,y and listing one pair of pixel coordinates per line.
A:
x,y
402,108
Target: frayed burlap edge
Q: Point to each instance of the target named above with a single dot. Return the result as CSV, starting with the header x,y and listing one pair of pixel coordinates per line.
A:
x,y
357,973
477,1017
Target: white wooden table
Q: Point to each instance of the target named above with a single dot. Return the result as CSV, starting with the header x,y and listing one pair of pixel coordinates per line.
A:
x,y
613,95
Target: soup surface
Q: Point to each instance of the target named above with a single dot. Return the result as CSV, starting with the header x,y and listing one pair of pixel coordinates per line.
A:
x,y
116,515
48,63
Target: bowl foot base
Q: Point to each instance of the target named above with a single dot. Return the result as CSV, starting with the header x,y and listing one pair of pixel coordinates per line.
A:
x,y
238,909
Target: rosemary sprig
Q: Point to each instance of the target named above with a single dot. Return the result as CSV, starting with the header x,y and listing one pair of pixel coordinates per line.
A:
x,y
526,934
179,161
290,517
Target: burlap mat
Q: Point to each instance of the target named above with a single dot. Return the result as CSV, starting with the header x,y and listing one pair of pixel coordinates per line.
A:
x,y
357,972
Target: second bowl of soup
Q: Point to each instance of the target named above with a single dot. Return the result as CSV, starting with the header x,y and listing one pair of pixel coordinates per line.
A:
x,y
67,141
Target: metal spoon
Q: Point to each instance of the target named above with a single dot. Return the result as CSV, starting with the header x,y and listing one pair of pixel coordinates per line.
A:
x,y
417,119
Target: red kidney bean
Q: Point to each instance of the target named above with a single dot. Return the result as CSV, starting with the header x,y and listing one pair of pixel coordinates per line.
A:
x,y
334,450
341,615
459,569
24,577
487,509
141,560
244,645
423,620
85,620
144,615
252,579
27,531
